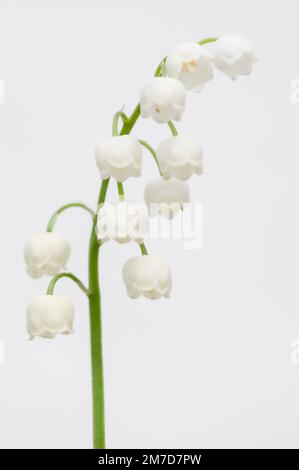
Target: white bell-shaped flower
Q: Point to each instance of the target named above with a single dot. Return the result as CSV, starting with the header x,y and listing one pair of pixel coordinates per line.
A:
x,y
180,156
191,64
46,253
166,197
48,315
234,55
122,222
147,275
119,157
163,99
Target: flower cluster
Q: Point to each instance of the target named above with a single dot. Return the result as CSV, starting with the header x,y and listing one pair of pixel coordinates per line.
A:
x,y
188,67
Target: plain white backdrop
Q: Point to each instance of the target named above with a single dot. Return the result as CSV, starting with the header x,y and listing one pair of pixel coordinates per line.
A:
x,y
211,367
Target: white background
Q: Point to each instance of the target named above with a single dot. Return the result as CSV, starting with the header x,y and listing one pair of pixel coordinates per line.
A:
x,y
211,367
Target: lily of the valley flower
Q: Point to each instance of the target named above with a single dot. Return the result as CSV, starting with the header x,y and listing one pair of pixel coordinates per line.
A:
x,y
48,315
119,157
163,99
180,156
46,253
122,222
166,197
189,63
234,55
147,275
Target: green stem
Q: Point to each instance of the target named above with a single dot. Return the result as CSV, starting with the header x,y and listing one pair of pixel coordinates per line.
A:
x,y
158,72
143,249
121,192
96,334
207,40
118,115
172,128
54,217
95,314
151,150
129,124
71,276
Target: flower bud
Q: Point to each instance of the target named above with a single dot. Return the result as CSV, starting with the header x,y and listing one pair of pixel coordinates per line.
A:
x,y
191,64
234,55
48,315
147,275
180,156
119,157
46,253
163,99
166,197
122,222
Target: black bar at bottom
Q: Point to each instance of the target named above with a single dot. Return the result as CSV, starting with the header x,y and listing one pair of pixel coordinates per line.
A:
x,y
126,458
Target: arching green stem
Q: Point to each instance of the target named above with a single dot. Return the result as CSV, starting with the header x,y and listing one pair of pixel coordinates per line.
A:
x,y
151,150
172,128
71,276
118,115
54,217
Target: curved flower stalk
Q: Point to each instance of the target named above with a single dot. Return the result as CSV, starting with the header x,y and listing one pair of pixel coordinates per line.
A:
x,y
188,67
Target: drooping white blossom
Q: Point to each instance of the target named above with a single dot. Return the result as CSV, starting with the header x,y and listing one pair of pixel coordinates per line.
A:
x,y
147,275
163,99
166,197
180,156
122,222
191,64
234,55
119,157
46,253
48,315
